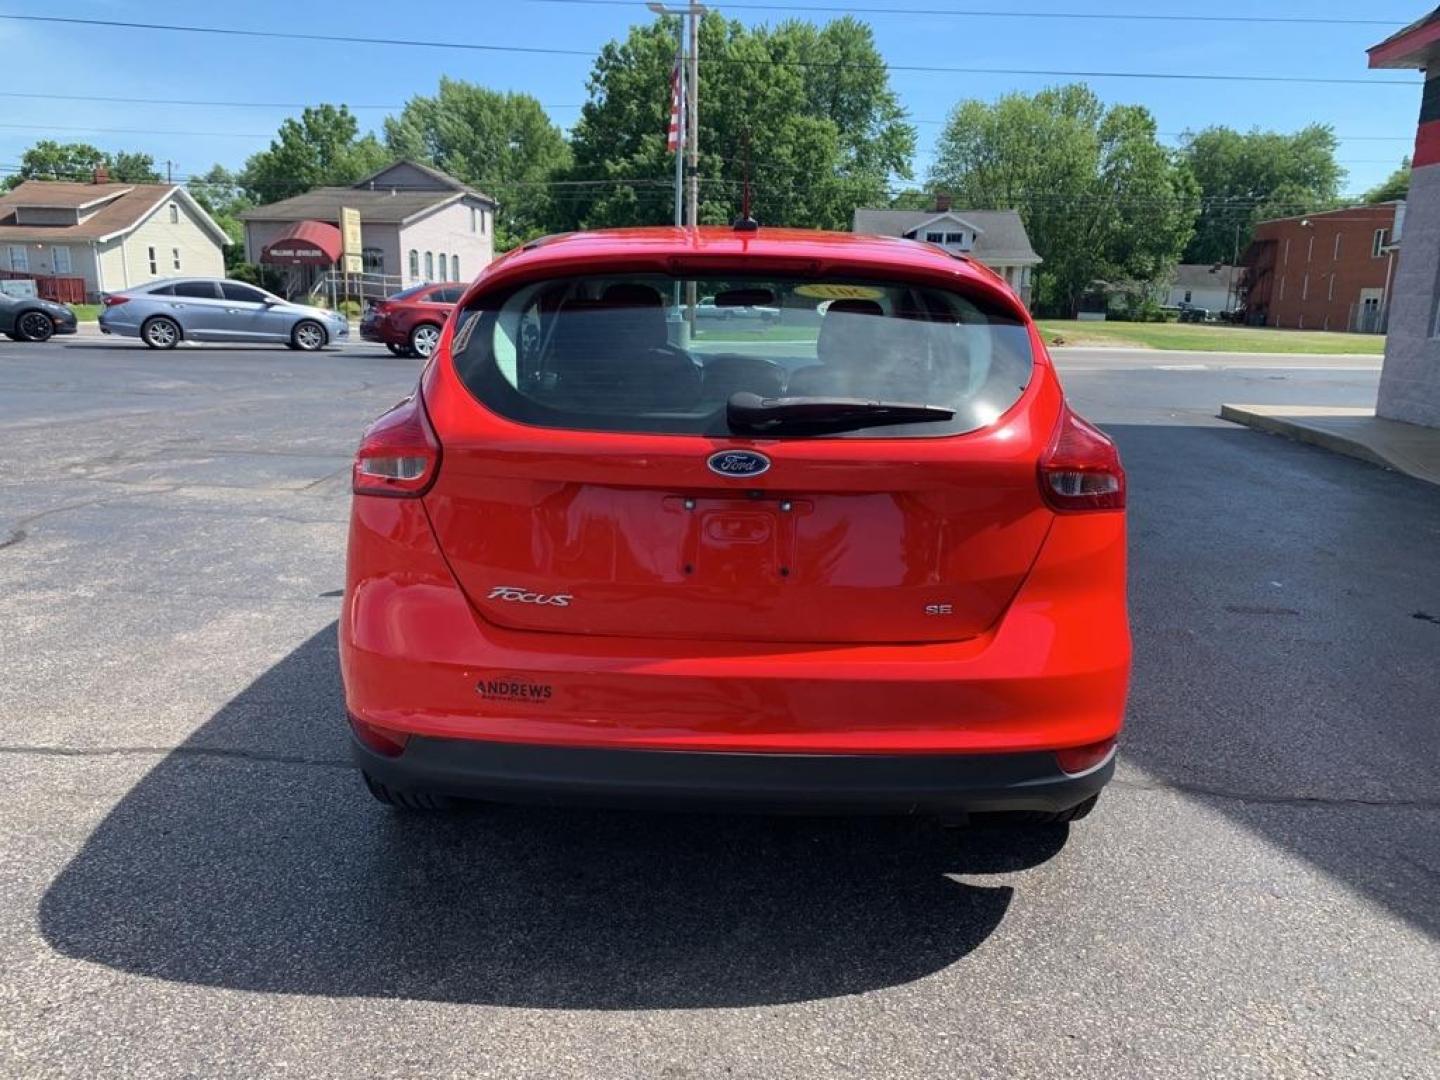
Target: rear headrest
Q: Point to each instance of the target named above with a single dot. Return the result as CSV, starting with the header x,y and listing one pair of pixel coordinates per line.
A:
x,y
846,338
631,294
854,307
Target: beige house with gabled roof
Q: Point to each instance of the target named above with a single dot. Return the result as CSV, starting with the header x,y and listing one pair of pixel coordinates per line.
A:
x,y
110,236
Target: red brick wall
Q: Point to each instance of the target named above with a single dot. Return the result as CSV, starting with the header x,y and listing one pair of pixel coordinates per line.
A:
x,y
1311,251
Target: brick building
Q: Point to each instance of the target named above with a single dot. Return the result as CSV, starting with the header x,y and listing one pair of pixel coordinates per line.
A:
x,y
1326,271
1410,379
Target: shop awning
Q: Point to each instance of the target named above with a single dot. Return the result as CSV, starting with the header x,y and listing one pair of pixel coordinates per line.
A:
x,y
305,243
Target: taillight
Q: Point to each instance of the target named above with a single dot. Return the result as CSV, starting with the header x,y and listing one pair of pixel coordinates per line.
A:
x,y
1080,469
112,301
1080,759
399,454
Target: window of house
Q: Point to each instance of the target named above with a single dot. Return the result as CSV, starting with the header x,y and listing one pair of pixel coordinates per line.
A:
x,y
19,258
429,266
1336,256
175,257
373,260
955,238
414,264
154,262
934,238
474,219
60,259
444,267
454,267
484,222
1378,244
174,214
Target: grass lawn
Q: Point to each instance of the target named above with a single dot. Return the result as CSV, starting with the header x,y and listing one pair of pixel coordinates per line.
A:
x,y
86,312
1197,337
735,330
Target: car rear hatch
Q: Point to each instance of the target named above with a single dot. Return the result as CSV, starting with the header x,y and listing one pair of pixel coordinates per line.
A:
x,y
647,515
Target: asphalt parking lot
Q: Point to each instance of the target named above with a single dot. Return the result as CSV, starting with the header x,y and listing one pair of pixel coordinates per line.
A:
x,y
194,883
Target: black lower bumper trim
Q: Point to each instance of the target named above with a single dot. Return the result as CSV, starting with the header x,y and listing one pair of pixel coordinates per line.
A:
x,y
866,783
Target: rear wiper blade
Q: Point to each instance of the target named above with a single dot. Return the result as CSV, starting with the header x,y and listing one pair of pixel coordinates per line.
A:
x,y
751,412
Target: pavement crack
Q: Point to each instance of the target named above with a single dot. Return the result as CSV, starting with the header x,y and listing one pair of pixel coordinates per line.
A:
x,y
1267,799
21,528
219,752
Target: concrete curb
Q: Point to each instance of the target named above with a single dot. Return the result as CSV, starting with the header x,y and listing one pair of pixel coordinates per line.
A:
x,y
1356,433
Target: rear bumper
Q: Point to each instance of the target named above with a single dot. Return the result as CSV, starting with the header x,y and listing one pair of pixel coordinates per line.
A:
x,y
945,784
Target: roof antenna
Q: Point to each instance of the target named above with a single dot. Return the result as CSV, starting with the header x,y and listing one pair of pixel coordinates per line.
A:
x,y
746,223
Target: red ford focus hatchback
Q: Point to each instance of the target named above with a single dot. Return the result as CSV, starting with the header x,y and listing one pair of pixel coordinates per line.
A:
x,y
860,555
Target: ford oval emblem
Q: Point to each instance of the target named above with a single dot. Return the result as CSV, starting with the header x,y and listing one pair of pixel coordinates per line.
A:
x,y
739,463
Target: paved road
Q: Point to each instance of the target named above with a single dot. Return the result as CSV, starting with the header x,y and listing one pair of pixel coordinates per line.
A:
x,y
192,882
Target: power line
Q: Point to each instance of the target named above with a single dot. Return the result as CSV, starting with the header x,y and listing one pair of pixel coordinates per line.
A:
x,y
208,103
136,131
107,99
933,69
967,13
663,184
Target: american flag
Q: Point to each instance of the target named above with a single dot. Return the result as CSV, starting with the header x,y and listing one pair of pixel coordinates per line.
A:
x,y
677,94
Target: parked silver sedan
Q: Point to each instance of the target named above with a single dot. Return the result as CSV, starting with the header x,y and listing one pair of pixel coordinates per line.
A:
x,y
164,313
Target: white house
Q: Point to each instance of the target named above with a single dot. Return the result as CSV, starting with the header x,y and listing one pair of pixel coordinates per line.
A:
x,y
417,224
996,238
1213,287
104,237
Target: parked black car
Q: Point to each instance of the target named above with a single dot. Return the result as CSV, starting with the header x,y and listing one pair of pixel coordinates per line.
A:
x,y
28,318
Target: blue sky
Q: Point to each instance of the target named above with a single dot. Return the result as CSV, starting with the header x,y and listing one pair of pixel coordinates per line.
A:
x,y
1376,122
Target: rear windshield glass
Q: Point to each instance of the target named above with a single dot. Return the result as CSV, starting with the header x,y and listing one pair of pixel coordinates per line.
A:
x,y
660,354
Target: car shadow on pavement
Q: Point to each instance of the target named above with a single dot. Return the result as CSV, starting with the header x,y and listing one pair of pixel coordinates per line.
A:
x,y
252,858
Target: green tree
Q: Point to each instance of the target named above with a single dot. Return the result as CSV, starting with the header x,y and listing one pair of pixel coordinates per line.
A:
x,y
220,193
501,143
49,160
806,110
1102,200
322,148
1395,186
1250,176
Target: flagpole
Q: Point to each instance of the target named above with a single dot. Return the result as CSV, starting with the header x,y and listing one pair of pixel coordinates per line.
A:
x,y
680,135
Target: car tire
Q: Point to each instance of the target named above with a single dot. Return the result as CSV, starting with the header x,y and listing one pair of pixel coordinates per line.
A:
x,y
160,332
403,799
423,340
35,326
308,336
397,350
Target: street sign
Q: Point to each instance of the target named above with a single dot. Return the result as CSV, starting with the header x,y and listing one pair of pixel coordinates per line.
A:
x,y
350,242
352,264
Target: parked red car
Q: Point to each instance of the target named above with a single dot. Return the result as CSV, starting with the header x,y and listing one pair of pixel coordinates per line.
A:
x,y
409,323
863,559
